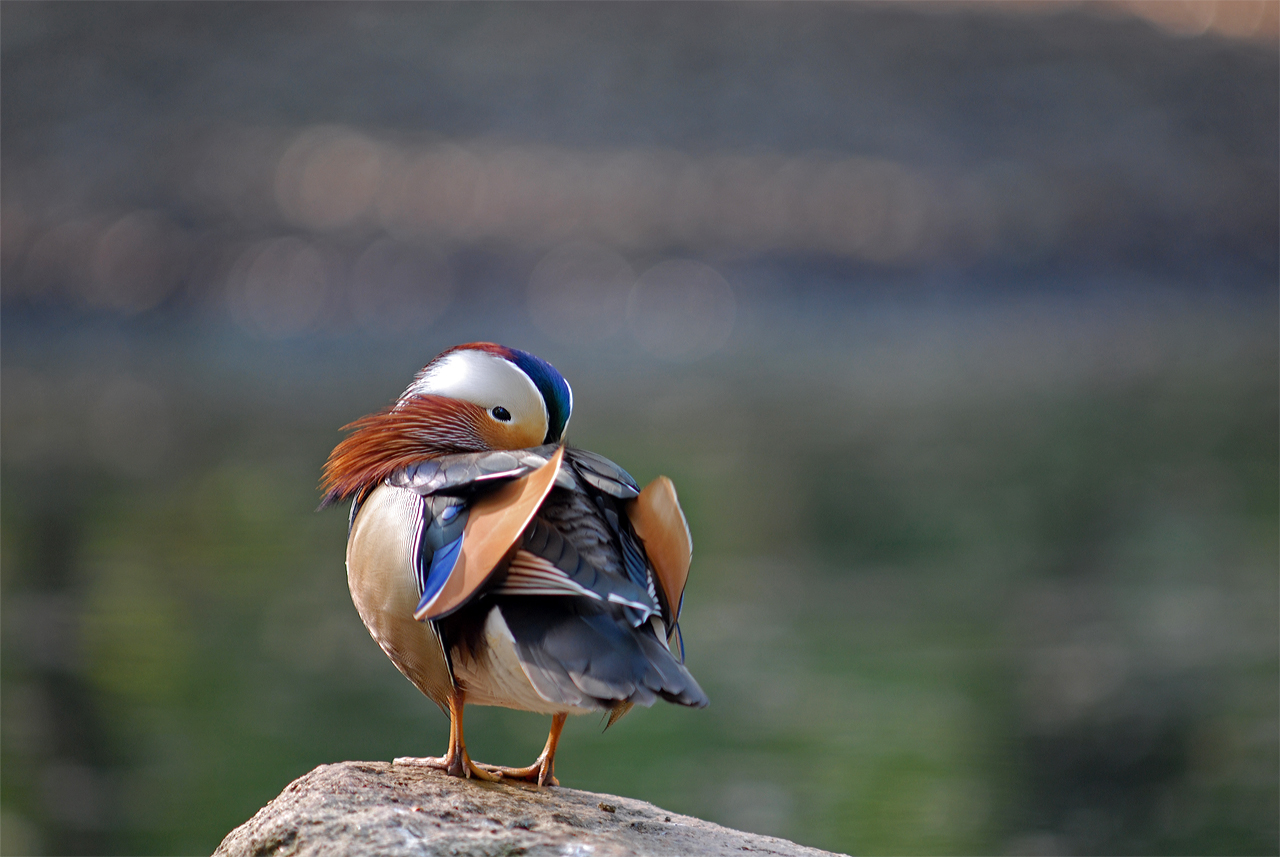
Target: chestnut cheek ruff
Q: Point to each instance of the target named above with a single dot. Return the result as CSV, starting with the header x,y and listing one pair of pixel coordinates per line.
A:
x,y
411,430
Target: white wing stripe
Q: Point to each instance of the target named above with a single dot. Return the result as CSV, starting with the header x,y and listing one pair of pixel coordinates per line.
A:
x,y
618,599
530,574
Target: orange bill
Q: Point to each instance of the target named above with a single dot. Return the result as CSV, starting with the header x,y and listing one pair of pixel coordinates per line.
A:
x,y
494,526
660,524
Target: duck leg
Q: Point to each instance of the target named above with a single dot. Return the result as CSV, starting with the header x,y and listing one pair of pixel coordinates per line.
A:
x,y
456,762
540,771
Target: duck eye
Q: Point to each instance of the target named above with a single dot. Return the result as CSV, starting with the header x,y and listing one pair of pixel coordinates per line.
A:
x,y
501,414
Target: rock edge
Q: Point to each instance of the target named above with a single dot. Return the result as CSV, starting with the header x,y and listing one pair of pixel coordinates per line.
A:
x,y
400,810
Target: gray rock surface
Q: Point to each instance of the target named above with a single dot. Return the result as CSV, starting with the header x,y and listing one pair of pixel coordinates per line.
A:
x,y
393,810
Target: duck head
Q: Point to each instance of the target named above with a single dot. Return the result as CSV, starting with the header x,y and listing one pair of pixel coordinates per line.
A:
x,y
471,398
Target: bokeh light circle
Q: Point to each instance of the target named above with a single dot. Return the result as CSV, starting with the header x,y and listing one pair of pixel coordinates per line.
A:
x,y
396,288
680,310
279,288
578,292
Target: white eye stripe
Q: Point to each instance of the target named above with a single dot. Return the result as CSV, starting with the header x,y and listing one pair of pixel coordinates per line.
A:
x,y
493,383
537,394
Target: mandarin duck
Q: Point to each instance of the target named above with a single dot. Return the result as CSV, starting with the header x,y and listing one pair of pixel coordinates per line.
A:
x,y
496,566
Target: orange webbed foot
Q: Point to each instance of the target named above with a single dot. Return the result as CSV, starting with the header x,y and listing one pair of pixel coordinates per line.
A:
x,y
541,771
458,765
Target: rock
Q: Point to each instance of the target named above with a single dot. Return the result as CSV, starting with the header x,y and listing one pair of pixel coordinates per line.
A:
x,y
399,810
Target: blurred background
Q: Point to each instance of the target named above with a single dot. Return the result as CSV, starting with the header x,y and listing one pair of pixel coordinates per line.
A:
x,y
955,324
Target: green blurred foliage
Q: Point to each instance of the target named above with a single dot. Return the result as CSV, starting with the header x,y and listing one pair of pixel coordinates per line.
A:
x,y
982,616
982,482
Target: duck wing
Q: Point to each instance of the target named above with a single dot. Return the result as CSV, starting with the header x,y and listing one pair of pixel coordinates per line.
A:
x,y
598,635
494,522
554,542
476,507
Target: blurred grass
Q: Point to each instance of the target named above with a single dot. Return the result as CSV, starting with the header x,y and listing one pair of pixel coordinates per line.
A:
x,y
959,618
983,484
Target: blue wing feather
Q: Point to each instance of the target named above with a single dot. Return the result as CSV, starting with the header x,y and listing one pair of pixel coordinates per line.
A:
x,y
592,485
444,519
442,563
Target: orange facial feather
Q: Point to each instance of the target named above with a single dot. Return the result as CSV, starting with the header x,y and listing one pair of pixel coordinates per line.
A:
x,y
412,430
